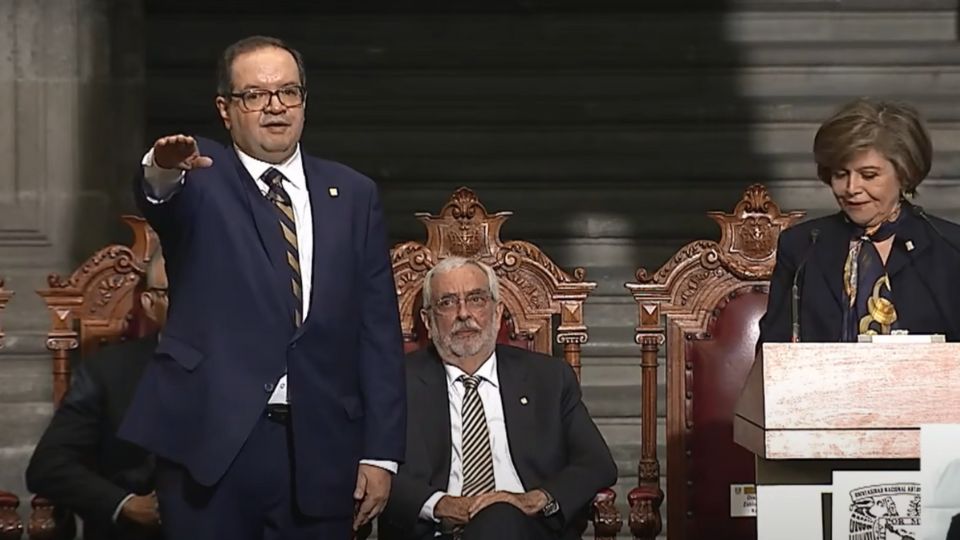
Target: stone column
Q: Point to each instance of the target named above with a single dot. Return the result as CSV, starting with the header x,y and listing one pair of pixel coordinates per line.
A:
x,y
71,127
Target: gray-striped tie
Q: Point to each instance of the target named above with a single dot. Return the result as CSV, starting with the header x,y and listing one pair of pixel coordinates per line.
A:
x,y
288,226
477,459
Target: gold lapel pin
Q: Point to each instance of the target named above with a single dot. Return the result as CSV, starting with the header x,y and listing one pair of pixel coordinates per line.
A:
x,y
524,400
909,245
334,192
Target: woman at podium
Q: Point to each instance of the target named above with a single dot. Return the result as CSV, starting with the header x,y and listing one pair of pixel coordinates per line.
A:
x,y
881,264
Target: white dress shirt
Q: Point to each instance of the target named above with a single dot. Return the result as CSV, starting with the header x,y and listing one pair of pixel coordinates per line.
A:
x,y
504,472
165,183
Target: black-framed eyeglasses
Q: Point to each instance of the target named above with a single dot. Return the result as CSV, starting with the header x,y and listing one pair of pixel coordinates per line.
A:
x,y
474,301
258,99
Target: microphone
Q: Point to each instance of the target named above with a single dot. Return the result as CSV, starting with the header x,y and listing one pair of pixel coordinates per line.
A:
x,y
918,210
795,300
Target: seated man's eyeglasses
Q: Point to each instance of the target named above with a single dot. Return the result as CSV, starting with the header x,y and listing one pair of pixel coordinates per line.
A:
x,y
258,99
474,301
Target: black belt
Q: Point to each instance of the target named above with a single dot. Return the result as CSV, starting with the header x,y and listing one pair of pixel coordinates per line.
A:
x,y
278,412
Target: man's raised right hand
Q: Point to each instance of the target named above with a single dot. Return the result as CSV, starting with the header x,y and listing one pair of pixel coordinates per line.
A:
x,y
179,152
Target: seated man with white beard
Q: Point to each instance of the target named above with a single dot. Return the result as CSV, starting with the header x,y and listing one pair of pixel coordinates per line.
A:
x,y
499,443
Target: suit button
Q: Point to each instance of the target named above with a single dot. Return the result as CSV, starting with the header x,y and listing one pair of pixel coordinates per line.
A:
x,y
293,345
268,387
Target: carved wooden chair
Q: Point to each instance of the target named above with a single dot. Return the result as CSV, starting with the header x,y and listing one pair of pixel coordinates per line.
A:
x,y
94,305
704,305
534,291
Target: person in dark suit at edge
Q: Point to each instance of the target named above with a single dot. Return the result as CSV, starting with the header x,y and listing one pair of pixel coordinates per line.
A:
x,y
79,463
500,444
954,532
275,402
881,263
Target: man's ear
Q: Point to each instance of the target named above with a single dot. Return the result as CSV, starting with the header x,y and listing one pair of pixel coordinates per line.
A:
x,y
222,103
425,318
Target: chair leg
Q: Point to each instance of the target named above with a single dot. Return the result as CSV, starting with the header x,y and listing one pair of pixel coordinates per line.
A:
x,y
47,522
606,517
645,521
11,526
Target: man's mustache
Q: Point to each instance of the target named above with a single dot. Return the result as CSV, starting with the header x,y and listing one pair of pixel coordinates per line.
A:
x,y
468,324
274,121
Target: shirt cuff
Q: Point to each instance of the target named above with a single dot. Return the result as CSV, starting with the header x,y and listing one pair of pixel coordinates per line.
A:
x,y
160,184
116,512
426,512
383,464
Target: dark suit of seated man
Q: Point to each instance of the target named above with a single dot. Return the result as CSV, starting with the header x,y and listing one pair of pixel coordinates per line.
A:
x,y
79,462
954,532
499,443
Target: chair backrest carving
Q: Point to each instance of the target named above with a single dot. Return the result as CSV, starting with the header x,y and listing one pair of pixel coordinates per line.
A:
x,y
96,303
704,305
533,288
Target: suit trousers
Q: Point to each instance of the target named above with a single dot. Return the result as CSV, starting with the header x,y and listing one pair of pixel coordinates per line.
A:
x,y
253,501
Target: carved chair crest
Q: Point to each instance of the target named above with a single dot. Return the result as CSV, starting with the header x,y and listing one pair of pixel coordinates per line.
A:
x,y
533,288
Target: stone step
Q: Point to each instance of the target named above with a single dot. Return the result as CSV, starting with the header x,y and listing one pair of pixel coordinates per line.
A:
x,y
339,113
740,164
610,342
611,310
612,361
24,422
616,392
623,438
504,154
614,142
13,467
334,43
609,212
25,341
25,379
544,7
591,84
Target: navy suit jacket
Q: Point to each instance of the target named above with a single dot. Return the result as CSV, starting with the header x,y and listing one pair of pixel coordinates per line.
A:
x,y
922,266
230,332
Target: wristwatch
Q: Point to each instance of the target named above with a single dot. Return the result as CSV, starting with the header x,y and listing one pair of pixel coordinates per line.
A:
x,y
552,506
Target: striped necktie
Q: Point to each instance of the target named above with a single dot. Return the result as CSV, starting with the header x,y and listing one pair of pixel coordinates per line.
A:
x,y
475,448
288,225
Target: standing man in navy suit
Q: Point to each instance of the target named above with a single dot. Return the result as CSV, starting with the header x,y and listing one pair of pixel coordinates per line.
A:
x,y
276,398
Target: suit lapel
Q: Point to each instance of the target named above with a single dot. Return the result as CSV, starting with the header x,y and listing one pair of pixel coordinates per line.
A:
x,y
828,259
911,242
268,231
328,212
436,417
519,403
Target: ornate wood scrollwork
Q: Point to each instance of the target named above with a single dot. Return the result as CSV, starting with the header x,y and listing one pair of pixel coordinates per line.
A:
x,y
678,300
534,289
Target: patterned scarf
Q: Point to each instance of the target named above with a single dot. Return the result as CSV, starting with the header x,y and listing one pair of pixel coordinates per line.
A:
x,y
866,285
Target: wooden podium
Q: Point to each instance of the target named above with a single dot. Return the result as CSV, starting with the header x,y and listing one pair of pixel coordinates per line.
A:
x,y
808,409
